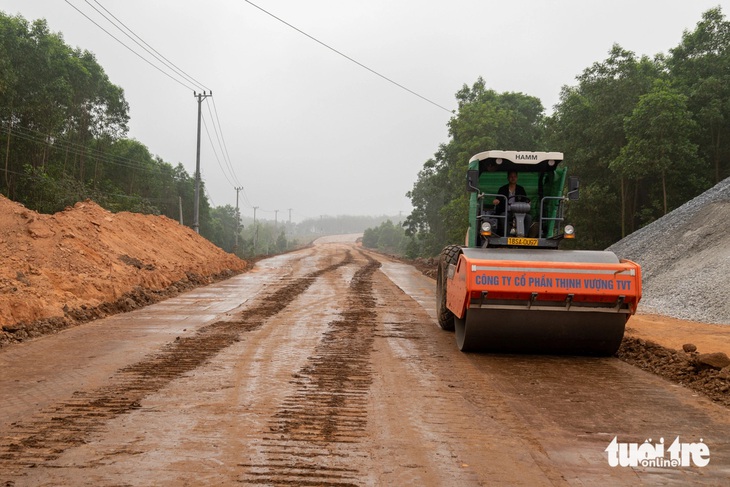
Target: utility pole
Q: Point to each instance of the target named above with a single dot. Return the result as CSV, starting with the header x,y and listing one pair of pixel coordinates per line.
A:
x,y
290,209
255,229
238,221
196,217
276,218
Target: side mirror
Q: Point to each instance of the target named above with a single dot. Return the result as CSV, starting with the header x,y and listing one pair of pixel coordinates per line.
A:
x,y
472,180
573,186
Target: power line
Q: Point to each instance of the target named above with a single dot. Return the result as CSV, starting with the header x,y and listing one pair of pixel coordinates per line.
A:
x,y
215,120
129,48
161,58
222,146
26,133
225,146
349,58
66,192
210,200
215,153
245,198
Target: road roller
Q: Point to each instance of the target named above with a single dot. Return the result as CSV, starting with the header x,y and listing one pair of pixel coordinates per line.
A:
x,y
510,288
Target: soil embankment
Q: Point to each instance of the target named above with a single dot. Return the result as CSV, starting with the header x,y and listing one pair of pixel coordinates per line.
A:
x,y
85,262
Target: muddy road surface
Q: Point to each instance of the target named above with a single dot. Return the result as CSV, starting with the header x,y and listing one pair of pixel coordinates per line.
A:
x,y
326,367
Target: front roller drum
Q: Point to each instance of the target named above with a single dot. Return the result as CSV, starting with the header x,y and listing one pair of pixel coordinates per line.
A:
x,y
540,332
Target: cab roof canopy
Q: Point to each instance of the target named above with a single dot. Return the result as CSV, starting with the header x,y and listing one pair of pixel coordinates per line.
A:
x,y
520,161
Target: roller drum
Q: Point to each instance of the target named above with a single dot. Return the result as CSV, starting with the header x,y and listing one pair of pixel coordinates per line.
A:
x,y
540,332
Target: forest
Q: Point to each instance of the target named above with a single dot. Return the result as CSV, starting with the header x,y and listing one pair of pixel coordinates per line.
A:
x,y
644,135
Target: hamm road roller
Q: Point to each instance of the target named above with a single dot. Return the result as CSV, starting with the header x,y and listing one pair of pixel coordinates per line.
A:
x,y
510,288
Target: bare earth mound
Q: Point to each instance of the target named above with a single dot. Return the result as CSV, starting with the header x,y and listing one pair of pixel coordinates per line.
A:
x,y
86,262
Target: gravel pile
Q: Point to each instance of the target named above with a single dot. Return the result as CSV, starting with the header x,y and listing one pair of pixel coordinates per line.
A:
x,y
685,259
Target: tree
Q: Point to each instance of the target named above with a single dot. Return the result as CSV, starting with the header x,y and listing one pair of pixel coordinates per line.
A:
x,y
56,105
223,226
429,195
281,242
700,68
386,237
588,126
485,120
370,238
658,138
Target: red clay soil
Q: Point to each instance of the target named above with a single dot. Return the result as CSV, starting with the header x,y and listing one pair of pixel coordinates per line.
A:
x,y
86,262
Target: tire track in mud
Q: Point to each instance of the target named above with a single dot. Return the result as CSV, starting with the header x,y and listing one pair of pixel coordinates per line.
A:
x,y
53,430
313,435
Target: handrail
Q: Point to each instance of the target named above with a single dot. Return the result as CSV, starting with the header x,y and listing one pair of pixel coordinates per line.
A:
x,y
558,218
495,216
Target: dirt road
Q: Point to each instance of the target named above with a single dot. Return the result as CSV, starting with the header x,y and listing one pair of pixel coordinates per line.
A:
x,y
325,367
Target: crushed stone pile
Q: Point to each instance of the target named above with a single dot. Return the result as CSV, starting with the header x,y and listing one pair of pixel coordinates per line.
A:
x,y
86,262
685,259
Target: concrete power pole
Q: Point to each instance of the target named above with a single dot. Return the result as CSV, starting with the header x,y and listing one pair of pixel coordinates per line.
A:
x,y
290,209
276,218
238,221
255,229
196,215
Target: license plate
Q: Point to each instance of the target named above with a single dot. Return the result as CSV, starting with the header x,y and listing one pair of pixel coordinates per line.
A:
x,y
522,241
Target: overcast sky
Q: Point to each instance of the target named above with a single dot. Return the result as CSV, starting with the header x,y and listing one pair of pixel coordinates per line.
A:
x,y
310,130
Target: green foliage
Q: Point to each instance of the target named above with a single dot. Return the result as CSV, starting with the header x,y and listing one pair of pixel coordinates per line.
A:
x,y
265,238
429,195
370,238
648,130
281,242
486,119
389,238
700,69
658,138
589,127
223,225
